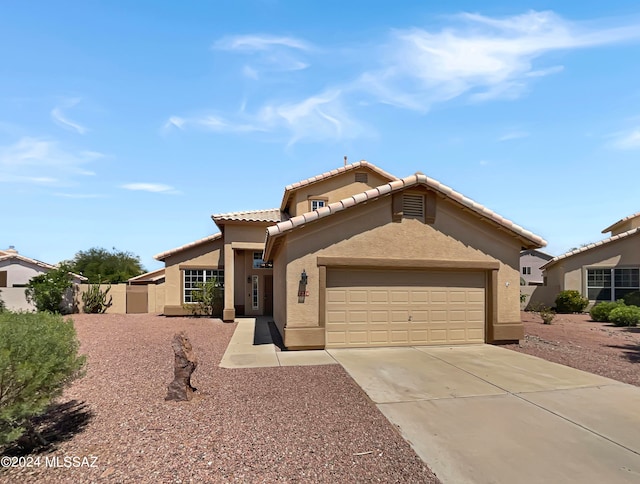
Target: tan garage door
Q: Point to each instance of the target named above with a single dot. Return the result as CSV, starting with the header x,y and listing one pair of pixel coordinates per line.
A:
x,y
401,308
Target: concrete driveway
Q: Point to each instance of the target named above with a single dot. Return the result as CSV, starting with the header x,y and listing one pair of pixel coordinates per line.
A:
x,y
485,414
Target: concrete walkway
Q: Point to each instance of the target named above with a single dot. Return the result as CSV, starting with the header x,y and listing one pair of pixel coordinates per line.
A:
x,y
483,414
252,345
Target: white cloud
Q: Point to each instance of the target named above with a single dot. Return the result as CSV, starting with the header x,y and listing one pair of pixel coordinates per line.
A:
x,y
320,117
60,118
79,196
254,43
268,53
484,58
629,140
150,187
511,135
43,161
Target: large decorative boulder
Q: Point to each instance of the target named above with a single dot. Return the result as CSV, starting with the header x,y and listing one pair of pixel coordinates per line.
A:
x,y
185,363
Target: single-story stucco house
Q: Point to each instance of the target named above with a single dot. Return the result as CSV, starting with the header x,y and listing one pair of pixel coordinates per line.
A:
x,y
357,257
602,271
16,271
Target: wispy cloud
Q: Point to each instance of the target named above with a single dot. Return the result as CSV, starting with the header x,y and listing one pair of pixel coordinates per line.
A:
x,y
79,196
320,117
43,161
150,187
629,140
482,57
511,135
60,118
268,53
254,43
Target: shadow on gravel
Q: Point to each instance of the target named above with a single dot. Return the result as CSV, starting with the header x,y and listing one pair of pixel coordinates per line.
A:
x,y
61,422
632,352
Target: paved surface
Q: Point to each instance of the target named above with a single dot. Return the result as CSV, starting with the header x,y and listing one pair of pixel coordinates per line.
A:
x,y
483,414
252,345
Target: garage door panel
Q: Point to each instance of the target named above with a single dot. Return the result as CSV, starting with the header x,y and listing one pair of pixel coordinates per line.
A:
x,y
382,308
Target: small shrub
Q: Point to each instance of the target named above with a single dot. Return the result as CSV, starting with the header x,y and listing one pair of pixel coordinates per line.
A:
x,y
38,357
47,291
570,302
625,316
3,308
523,297
547,314
632,298
207,300
600,312
94,300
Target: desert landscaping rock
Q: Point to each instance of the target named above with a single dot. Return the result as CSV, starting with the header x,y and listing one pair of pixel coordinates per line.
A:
x,y
283,424
185,363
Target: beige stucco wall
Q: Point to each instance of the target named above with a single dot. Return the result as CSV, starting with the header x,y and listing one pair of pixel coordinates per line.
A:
x,y
118,293
205,256
280,289
156,298
15,300
335,189
368,231
570,273
626,226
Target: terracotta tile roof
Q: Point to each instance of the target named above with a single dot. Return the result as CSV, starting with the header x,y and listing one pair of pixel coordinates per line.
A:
x,y
269,215
397,185
10,254
289,189
170,252
619,222
587,247
151,276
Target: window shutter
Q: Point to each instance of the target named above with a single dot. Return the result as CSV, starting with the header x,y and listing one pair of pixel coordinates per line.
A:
x,y
413,205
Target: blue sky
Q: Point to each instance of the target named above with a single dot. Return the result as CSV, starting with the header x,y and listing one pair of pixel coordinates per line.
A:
x,y
127,124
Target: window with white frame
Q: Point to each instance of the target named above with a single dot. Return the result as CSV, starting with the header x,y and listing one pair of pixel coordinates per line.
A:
x,y
193,278
317,203
612,284
255,296
526,271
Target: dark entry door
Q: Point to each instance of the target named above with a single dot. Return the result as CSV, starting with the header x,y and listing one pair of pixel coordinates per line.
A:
x,y
268,295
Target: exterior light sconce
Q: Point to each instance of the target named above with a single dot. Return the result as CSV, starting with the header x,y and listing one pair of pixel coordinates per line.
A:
x,y
303,278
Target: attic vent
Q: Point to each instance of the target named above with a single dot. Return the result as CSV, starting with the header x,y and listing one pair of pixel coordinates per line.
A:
x,y
362,177
413,205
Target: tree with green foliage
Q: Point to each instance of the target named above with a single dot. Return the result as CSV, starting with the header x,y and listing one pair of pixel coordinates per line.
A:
x,y
38,358
207,299
47,291
108,267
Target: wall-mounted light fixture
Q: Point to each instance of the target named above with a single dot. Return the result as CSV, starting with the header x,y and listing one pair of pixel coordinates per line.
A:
x,y
303,278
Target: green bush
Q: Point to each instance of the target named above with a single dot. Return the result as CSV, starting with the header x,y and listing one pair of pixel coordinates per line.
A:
x,y
570,302
547,314
207,299
625,316
3,308
38,357
632,298
600,312
94,299
47,291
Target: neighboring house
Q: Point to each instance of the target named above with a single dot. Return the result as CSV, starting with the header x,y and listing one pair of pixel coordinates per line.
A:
x,y
602,271
357,257
15,272
530,262
145,293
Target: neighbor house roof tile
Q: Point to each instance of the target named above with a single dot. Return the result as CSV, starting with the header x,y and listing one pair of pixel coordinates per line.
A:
x,y
619,222
593,245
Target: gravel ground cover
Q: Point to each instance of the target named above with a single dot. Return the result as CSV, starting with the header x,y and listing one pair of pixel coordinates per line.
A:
x,y
288,424
574,340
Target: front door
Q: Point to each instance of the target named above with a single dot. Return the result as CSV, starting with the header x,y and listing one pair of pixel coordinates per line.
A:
x,y
267,308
